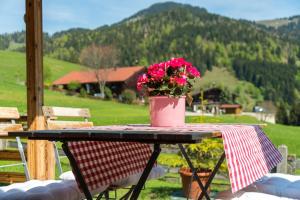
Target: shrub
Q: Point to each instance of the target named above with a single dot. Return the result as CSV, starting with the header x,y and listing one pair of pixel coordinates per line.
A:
x,y
83,92
108,94
128,96
206,154
73,86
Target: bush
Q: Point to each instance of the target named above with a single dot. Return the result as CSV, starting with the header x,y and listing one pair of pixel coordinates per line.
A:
x,y
73,86
83,92
128,96
108,94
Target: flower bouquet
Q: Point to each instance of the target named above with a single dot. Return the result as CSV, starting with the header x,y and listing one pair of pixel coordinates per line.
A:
x,y
167,84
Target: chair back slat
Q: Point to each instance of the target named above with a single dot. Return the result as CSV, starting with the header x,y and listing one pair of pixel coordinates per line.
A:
x,y
52,125
52,115
9,113
11,127
50,111
8,117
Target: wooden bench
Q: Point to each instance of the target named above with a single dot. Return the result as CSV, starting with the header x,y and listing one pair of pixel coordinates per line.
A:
x,y
53,117
8,117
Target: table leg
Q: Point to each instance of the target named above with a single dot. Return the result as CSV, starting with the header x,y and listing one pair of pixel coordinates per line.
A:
x,y
76,170
137,189
194,171
214,172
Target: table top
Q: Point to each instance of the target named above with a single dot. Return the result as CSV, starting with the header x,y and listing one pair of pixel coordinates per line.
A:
x,y
128,133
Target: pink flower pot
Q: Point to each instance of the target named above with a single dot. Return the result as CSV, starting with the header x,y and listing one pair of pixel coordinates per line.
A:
x,y
167,111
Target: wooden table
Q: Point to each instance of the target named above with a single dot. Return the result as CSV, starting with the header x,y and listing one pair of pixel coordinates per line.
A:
x,y
156,137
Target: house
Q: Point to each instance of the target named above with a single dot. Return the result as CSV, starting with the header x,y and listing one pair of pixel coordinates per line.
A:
x,y
214,102
231,108
117,79
212,96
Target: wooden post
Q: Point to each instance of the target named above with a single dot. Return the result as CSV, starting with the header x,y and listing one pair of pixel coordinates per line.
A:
x,y
41,160
282,166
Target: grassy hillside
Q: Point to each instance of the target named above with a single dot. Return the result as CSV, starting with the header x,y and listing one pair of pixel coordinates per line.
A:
x,y
13,91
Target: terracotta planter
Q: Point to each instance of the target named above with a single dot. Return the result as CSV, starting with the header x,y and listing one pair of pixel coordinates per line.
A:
x,y
190,187
166,111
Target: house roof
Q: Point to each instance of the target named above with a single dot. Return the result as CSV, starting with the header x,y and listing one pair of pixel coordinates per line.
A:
x,y
230,106
119,74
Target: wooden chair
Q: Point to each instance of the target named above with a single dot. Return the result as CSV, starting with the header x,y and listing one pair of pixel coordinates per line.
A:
x,y
53,121
8,117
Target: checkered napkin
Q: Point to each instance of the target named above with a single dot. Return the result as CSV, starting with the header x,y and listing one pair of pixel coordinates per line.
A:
x,y
102,163
249,153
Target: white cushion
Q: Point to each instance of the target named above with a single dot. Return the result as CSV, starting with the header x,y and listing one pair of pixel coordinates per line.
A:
x,y
283,185
243,195
279,185
43,190
67,176
155,173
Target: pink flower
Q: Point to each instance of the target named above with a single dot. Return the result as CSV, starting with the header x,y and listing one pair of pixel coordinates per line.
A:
x,y
181,81
193,71
157,71
143,79
176,62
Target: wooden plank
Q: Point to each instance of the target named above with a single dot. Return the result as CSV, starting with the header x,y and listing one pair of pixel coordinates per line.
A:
x,y
12,155
52,125
162,137
12,177
51,111
9,113
11,127
41,160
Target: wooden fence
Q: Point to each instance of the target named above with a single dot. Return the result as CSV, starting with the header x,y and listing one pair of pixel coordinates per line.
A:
x,y
289,163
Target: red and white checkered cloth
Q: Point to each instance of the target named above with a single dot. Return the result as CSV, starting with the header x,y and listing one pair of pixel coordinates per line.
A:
x,y
102,163
249,153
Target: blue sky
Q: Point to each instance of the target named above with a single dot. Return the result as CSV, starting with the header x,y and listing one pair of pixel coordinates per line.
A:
x,y
65,14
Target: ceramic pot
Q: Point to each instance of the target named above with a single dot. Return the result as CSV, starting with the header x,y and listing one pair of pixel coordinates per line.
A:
x,y
167,111
190,186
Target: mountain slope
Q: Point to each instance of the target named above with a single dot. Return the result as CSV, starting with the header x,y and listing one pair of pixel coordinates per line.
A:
x,y
287,28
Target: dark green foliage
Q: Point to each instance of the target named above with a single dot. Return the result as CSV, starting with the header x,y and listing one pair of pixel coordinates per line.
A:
x,y
108,94
294,118
82,92
128,96
282,115
73,86
276,80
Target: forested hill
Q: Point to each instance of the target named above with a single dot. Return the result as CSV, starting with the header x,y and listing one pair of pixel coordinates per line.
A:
x,y
169,29
286,28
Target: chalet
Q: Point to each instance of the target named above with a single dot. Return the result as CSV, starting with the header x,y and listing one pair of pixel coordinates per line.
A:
x,y
215,102
117,79
212,96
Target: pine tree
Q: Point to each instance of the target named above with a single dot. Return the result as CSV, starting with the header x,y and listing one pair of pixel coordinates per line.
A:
x,y
294,118
282,115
